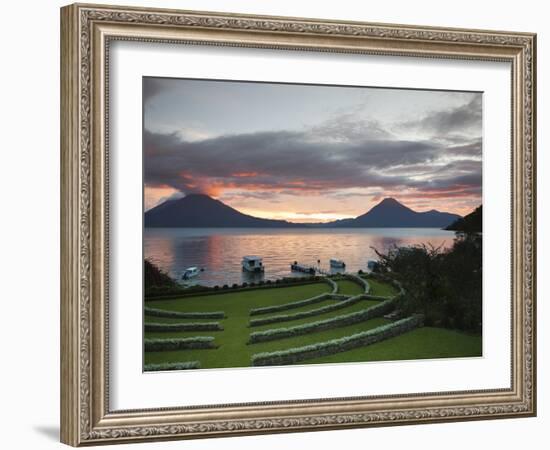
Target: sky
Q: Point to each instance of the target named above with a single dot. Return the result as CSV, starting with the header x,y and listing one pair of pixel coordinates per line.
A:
x,y
311,153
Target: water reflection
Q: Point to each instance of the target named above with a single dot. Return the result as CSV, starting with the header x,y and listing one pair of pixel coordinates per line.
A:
x,y
219,251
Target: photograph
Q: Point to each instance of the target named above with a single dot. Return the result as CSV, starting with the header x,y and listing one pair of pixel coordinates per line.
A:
x,y
291,224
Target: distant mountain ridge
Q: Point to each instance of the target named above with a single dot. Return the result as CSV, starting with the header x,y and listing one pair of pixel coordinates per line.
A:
x,y
389,213
199,210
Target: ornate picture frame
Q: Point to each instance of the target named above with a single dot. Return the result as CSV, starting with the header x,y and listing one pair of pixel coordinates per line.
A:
x,y
87,31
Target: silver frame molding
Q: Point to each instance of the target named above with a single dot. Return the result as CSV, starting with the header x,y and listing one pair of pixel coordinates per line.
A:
x,y
86,32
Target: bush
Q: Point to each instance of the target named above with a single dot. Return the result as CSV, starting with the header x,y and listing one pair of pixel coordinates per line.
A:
x,y
302,315
445,285
183,315
287,306
172,366
327,324
193,326
155,277
294,355
159,345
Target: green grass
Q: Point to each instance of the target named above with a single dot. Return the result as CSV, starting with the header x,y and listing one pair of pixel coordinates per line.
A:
x,y
422,343
228,356
348,287
234,351
380,288
297,310
363,304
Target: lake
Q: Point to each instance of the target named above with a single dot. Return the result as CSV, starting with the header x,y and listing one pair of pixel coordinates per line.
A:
x,y
220,250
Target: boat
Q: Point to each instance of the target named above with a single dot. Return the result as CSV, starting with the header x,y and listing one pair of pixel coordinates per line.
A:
x,y
190,272
252,264
337,263
301,268
372,264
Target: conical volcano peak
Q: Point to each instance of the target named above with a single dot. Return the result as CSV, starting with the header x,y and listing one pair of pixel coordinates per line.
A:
x,y
390,201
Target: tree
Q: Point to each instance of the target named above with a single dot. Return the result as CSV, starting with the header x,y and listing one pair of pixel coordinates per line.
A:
x,y
443,284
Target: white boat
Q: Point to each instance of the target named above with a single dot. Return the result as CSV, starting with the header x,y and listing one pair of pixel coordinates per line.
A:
x,y
337,263
252,264
190,272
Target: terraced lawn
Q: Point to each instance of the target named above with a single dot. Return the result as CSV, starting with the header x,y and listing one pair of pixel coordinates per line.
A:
x,y
223,357
236,305
234,350
380,288
363,304
348,287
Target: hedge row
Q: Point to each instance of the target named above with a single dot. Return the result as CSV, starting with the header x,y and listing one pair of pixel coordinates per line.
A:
x,y
292,305
183,315
333,285
326,324
294,355
173,366
192,326
361,281
378,297
312,312
159,345
195,291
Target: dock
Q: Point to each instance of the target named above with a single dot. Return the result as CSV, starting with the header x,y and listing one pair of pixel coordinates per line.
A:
x,y
301,268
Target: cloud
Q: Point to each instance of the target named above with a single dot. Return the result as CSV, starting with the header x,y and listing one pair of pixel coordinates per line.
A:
x,y
464,119
151,88
346,152
295,162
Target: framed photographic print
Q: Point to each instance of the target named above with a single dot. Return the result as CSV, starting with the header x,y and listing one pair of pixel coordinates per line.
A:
x,y
276,224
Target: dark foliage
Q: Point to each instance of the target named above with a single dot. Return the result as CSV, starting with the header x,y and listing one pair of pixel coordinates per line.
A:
x,y
153,276
443,285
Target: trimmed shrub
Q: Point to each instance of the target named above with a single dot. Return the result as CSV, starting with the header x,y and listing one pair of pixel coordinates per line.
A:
x,y
183,315
172,366
294,355
327,324
360,281
291,305
333,285
311,313
192,326
377,297
159,345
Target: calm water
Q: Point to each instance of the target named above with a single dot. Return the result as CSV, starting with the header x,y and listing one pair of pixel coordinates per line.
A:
x,y
220,250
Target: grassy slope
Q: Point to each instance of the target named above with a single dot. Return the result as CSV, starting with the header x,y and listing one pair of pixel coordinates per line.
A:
x,y
348,287
363,304
421,343
382,289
